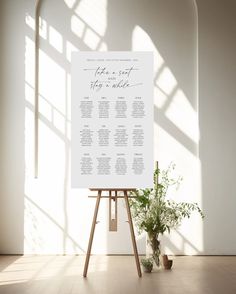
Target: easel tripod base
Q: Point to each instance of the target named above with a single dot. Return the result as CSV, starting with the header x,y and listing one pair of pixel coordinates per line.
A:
x,y
112,225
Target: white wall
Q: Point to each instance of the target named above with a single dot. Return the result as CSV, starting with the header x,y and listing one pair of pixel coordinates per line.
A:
x,y
45,215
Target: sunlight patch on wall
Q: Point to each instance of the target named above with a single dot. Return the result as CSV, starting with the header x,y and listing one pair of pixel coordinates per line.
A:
x,y
29,60
29,94
103,47
69,49
58,121
93,13
55,39
52,81
182,114
52,209
45,109
77,26
84,32
70,3
142,42
187,165
166,81
89,23
174,115
43,28
91,39
30,22
29,146
43,219
160,98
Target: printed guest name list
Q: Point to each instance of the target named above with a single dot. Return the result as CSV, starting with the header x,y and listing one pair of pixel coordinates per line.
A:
x,y
112,120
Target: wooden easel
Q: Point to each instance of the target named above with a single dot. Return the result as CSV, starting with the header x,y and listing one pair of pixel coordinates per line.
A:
x,y
112,222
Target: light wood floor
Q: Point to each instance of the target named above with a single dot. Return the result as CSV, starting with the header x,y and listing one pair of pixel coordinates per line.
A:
x,y
115,274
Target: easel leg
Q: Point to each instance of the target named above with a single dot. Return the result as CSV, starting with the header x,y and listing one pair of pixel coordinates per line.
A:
x,y
132,234
92,233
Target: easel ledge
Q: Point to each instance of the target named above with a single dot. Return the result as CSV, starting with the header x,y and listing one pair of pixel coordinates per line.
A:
x,y
112,190
113,222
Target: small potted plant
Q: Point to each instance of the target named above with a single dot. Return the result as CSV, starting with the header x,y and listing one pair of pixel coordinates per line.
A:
x,y
147,264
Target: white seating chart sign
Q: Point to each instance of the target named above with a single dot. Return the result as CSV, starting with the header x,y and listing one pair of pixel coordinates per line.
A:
x,y
112,120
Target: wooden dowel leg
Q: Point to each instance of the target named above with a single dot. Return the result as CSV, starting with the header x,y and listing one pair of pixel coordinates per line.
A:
x,y
92,233
132,233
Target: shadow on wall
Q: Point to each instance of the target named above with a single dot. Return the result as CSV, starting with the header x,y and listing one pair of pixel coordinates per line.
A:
x,y
57,218
217,123
11,128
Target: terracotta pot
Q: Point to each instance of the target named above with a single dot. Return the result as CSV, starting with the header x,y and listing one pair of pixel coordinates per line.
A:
x,y
166,262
